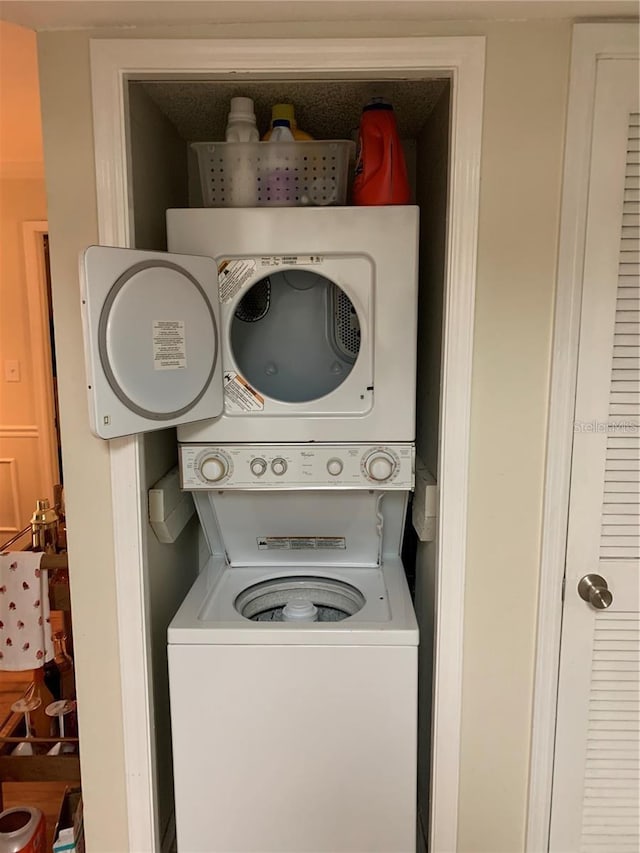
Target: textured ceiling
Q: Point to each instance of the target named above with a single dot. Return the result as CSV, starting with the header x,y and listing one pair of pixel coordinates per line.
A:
x,y
327,109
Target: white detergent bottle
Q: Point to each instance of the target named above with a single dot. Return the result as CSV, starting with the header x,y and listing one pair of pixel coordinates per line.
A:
x,y
241,123
241,127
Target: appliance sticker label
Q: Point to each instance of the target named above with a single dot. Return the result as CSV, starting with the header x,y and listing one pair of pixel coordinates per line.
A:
x,y
232,275
239,396
291,260
301,543
169,352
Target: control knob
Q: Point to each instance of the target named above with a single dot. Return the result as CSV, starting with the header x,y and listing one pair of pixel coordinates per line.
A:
x,y
258,467
335,466
214,468
380,466
279,466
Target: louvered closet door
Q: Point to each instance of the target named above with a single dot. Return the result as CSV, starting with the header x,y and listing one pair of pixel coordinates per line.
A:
x,y
595,791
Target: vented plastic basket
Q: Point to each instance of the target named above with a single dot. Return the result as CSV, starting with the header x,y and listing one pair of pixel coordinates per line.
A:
x,y
284,174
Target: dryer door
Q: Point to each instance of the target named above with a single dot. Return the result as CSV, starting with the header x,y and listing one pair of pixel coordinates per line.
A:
x,y
151,337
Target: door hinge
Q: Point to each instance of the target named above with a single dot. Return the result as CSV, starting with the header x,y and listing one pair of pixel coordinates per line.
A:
x,y
564,586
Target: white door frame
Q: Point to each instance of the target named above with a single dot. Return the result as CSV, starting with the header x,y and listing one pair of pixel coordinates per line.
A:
x,y
113,62
591,44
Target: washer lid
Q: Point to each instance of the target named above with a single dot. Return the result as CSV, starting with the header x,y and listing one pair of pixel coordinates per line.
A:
x,y
152,348
292,528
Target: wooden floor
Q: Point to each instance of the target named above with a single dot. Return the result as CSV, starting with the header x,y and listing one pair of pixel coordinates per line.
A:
x,y
46,796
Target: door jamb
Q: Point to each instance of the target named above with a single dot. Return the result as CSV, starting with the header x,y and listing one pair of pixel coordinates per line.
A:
x,y
41,355
113,62
592,43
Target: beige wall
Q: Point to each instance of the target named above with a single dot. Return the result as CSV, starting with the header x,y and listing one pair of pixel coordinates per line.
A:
x,y
525,102
66,113
22,199
526,84
20,128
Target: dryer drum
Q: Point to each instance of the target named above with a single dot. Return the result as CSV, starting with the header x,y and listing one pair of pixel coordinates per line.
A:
x,y
264,602
346,326
255,303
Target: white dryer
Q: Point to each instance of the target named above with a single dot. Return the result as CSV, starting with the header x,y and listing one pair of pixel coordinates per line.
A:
x,y
275,325
318,319
293,662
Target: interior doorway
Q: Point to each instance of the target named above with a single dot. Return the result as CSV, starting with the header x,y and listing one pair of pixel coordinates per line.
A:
x,y
30,461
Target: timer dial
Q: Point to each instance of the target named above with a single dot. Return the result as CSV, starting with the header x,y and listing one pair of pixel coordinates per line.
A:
x,y
380,466
214,468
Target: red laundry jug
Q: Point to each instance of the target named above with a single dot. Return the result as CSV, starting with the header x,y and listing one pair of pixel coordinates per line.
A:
x,y
381,170
22,830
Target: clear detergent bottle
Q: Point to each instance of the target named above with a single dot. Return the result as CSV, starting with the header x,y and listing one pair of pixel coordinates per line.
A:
x,y
287,112
281,131
281,186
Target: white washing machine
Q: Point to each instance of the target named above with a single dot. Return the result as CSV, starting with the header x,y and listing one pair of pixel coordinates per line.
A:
x,y
293,659
276,325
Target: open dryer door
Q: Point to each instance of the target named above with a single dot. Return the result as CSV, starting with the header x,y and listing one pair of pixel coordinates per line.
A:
x,y
151,335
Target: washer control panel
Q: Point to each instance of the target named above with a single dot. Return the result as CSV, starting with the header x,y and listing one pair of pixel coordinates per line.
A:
x,y
297,466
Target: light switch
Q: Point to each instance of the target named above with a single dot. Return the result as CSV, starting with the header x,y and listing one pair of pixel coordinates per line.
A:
x,y
12,371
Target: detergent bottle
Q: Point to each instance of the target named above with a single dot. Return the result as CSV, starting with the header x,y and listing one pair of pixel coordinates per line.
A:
x,y
241,123
281,131
286,112
281,183
241,127
381,171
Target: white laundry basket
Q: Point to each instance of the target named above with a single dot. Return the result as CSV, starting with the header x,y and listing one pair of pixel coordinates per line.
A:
x,y
263,174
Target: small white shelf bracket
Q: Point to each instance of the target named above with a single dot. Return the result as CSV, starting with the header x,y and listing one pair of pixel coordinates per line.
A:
x,y
425,503
170,509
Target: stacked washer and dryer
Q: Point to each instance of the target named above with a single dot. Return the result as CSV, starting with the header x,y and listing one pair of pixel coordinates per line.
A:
x,y
282,344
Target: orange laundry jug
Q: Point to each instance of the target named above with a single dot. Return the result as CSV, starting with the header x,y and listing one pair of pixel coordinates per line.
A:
x,y
381,170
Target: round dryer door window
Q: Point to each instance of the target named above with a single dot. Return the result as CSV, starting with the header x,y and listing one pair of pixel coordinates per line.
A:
x,y
295,336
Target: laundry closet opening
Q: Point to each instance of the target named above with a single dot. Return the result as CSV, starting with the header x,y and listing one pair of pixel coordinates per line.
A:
x,y
165,116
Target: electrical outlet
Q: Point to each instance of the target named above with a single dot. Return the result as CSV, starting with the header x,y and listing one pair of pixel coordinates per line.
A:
x,y
12,371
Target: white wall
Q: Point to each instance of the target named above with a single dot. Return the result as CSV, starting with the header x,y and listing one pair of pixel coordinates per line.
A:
x,y
66,102
432,196
525,103
169,573
154,145
526,84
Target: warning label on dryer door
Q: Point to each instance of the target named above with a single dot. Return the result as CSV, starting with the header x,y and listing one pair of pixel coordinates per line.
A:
x,y
239,396
169,345
232,275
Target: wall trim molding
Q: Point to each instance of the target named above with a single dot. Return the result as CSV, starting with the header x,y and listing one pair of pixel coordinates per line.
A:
x,y
15,494
115,61
591,44
13,431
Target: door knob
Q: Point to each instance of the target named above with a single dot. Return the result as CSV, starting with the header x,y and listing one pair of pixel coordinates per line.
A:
x,y
595,591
